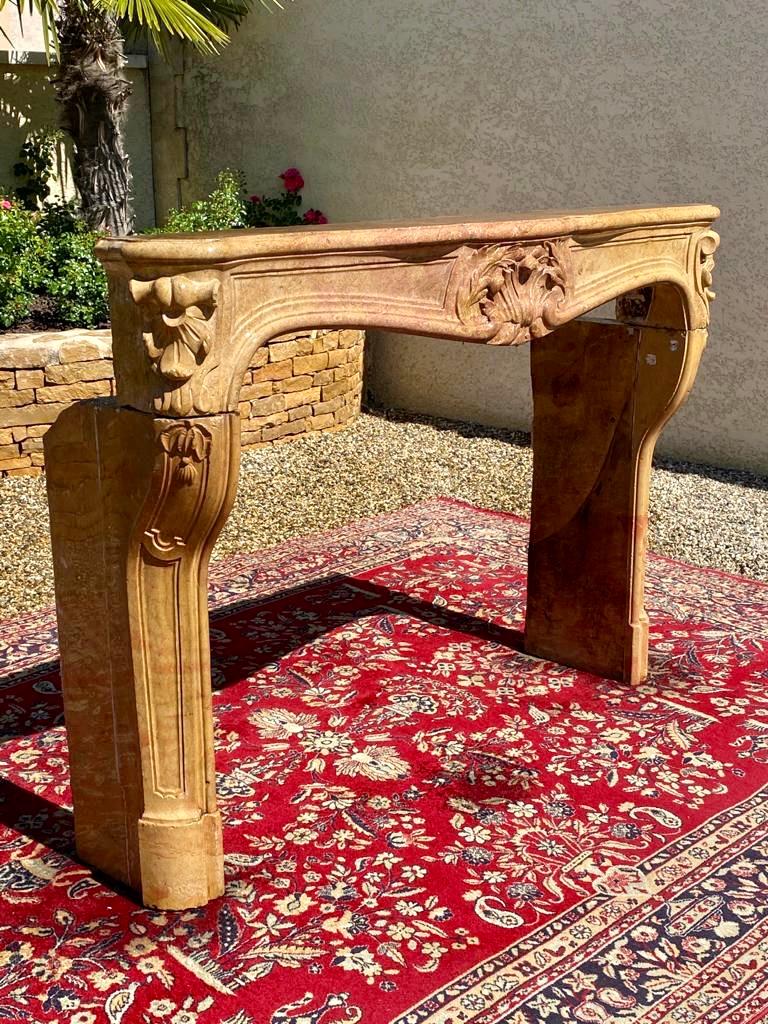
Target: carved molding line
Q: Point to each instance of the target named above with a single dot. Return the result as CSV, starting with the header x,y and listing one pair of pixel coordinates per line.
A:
x,y
518,289
189,487
179,321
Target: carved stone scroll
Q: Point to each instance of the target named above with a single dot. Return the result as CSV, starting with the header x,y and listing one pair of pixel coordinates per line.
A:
x,y
706,248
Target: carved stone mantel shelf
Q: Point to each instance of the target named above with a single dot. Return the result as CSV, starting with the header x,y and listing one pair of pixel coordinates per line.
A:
x,y
140,486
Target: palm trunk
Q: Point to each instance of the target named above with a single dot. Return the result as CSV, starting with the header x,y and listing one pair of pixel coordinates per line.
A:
x,y
93,92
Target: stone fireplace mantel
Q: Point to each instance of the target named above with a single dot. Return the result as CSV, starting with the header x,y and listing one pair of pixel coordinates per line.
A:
x,y
140,485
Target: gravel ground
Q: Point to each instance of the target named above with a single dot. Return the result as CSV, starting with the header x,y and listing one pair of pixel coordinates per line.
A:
x,y
706,516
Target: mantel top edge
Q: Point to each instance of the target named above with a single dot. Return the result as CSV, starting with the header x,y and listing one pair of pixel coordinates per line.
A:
x,y
205,247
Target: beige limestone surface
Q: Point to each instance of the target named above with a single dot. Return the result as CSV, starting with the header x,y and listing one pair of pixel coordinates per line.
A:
x,y
409,110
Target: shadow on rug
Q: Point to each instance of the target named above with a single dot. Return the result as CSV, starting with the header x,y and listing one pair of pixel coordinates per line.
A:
x,y
422,824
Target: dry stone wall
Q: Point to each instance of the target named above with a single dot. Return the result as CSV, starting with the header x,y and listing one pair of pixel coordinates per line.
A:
x,y
297,384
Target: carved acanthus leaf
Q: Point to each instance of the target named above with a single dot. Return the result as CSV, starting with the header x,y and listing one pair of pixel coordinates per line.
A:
x,y
519,288
178,331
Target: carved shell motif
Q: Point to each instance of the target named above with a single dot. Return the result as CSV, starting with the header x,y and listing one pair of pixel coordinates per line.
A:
x,y
520,288
178,329
189,443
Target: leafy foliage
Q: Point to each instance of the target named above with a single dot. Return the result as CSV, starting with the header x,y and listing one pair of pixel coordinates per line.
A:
x,y
274,211
47,268
224,208
21,262
35,167
76,281
227,207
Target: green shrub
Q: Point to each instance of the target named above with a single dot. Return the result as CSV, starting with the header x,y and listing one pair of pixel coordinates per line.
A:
x,y
22,262
47,268
224,208
76,281
60,219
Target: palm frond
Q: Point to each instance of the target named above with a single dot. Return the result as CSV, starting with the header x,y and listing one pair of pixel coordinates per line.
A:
x,y
203,23
46,11
171,17
225,14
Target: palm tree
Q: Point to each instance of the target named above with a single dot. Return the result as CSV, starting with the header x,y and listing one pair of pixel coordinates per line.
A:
x,y
85,38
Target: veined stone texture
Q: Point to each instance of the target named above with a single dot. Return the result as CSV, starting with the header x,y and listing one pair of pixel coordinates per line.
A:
x,y
297,384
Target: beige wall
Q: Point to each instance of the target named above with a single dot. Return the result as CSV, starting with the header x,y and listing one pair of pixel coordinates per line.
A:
x,y
414,107
27,102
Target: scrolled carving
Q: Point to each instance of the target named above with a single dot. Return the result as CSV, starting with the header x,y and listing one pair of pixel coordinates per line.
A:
x,y
706,246
178,330
521,289
182,484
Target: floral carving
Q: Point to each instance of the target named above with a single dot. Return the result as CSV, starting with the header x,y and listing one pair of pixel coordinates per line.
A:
x,y
188,442
705,263
178,330
519,288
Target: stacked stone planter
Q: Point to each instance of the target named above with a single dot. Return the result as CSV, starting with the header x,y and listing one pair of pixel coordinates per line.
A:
x,y
298,384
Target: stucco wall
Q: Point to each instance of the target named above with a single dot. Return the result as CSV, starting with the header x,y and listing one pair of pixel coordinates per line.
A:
x,y
407,108
27,102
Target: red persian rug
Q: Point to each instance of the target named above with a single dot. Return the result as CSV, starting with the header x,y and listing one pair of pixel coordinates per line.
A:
x,y
422,824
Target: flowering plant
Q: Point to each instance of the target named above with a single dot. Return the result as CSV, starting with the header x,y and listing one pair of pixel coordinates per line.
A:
x,y
277,211
227,206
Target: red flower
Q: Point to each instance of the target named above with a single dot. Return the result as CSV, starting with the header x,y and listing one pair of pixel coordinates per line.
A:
x,y
292,180
315,217
255,199
6,204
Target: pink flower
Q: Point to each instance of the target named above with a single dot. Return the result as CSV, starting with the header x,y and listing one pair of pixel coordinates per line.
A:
x,y
255,199
315,217
292,180
6,204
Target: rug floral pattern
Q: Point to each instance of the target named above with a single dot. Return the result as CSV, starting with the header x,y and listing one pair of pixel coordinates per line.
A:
x,y
422,824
